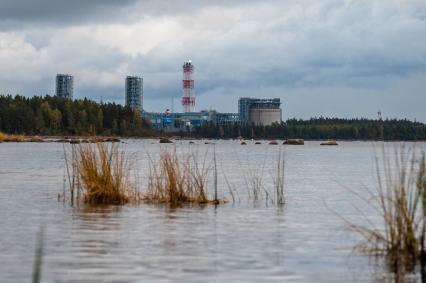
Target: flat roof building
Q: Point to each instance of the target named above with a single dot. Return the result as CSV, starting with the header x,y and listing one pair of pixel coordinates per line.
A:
x,y
134,92
259,111
64,86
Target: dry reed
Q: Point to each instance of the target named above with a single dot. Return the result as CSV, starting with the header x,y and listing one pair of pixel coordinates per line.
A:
x,y
400,200
100,173
174,179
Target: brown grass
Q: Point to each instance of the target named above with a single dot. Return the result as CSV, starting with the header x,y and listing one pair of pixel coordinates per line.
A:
x,y
101,173
11,138
174,179
400,200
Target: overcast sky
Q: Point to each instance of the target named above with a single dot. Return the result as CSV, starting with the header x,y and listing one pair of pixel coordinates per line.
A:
x,y
337,58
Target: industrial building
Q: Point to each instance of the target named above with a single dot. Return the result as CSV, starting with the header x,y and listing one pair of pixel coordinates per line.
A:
x,y
134,92
64,86
173,122
259,111
224,118
255,111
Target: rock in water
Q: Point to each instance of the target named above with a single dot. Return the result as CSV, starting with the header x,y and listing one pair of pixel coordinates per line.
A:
x,y
165,140
294,142
330,142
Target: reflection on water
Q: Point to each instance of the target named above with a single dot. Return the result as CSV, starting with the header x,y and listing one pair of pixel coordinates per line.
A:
x,y
246,242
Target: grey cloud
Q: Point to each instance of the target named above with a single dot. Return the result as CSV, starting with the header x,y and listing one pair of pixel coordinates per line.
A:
x,y
15,13
318,56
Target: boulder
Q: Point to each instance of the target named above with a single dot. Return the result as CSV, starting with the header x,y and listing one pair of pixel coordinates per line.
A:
x,y
114,140
36,139
165,140
329,142
294,142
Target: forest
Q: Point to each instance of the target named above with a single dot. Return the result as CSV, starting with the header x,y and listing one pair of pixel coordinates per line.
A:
x,y
320,129
50,115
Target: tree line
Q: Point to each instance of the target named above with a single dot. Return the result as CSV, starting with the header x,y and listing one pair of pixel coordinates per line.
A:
x,y
321,129
50,115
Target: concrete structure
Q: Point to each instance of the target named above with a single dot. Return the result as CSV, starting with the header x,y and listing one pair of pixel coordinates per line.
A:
x,y
64,86
259,111
265,116
134,92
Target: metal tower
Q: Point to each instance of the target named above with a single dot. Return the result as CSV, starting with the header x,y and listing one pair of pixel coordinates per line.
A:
x,y
188,98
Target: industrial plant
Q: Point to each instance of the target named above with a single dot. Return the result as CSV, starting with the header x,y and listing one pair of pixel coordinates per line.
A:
x,y
257,111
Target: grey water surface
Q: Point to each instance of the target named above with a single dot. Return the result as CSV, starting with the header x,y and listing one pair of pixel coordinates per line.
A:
x,y
305,240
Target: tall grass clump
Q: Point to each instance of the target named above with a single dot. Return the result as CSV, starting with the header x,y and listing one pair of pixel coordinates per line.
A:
x,y
178,179
400,199
99,173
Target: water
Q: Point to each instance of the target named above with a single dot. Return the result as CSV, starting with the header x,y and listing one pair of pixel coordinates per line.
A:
x,y
246,241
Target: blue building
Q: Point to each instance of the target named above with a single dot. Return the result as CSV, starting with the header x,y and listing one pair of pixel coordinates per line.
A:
x,y
177,121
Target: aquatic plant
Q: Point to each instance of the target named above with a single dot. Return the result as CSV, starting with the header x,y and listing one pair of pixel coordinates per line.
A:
x,y
255,176
100,172
178,179
400,200
279,178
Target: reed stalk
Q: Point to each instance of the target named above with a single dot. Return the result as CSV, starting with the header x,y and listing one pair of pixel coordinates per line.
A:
x,y
400,200
279,177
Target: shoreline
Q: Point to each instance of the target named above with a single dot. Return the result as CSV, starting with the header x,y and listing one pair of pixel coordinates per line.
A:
x,y
94,139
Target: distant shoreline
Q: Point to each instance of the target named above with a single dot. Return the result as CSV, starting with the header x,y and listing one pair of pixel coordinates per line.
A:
x,y
95,139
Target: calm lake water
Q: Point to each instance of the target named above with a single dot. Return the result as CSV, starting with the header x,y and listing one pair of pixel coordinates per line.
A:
x,y
245,241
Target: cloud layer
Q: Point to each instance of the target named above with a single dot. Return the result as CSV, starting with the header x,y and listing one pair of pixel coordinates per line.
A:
x,y
334,58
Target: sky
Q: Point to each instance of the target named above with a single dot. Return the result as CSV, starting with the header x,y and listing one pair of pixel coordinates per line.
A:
x,y
332,58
